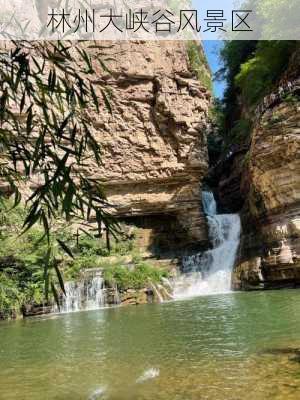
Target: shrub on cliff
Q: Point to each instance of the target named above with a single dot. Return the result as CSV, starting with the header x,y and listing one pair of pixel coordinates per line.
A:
x,y
260,72
136,277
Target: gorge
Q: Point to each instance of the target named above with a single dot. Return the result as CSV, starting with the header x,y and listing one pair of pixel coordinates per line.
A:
x,y
157,172
261,178
157,162
206,199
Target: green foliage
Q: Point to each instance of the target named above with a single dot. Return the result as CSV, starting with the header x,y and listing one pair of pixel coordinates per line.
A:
x,y
291,98
10,297
93,253
15,293
135,277
233,55
47,96
22,280
47,99
215,136
21,258
246,160
240,131
279,17
258,74
199,64
251,68
216,114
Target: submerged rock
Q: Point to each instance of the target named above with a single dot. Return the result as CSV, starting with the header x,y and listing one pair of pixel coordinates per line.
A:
x,y
33,310
292,353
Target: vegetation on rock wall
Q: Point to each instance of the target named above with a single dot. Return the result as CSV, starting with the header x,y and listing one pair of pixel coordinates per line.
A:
x,y
199,63
251,69
233,55
137,277
259,73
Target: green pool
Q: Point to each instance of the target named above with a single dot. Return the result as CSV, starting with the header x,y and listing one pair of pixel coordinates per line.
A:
x,y
237,346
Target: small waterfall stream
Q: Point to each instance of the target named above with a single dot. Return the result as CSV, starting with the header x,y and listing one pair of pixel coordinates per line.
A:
x,y
88,293
210,272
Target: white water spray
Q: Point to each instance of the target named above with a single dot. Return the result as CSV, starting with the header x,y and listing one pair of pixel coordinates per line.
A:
x,y
148,374
85,294
210,272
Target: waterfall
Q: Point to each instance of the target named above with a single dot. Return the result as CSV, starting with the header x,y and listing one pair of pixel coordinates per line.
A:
x,y
209,203
210,272
88,293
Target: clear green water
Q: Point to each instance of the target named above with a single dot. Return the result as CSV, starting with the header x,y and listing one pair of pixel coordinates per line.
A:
x,y
212,348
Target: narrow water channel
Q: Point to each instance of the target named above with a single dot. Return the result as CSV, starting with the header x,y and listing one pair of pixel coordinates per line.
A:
x,y
210,272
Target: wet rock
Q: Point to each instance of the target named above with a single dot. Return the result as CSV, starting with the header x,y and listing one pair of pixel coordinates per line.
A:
x,y
134,297
31,310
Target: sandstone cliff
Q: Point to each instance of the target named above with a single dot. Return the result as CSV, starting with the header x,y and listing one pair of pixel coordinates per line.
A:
x,y
154,148
268,186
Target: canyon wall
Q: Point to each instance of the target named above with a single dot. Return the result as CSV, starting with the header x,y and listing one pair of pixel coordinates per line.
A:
x,y
154,147
268,177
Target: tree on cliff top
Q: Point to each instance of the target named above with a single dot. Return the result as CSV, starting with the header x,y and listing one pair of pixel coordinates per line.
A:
x,y
47,96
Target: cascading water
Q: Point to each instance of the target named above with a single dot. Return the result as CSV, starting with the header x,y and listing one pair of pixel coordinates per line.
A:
x,y
204,273
210,272
85,294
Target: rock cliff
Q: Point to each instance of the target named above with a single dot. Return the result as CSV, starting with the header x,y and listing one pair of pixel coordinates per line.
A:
x,y
153,139
269,176
154,147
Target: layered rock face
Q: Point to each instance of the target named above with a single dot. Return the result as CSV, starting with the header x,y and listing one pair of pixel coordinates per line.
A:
x,y
154,147
270,185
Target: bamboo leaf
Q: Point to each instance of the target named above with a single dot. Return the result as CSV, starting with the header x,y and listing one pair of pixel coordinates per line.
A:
x,y
65,248
29,120
60,278
95,98
106,101
55,295
22,103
